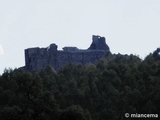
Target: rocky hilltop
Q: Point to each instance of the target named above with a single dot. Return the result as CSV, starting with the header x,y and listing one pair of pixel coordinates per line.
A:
x,y
39,58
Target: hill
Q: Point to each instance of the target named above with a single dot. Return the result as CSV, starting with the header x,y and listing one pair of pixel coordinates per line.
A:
x,y
115,85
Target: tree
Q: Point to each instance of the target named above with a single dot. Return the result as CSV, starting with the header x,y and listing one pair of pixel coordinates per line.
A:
x,y
75,112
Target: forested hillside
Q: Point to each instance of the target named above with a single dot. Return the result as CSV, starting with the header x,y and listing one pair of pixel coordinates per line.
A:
x,y
116,85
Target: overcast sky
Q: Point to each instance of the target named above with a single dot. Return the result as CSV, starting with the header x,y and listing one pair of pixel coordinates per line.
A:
x,y
129,26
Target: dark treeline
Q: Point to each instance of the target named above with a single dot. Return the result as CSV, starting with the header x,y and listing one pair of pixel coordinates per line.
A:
x,y
116,85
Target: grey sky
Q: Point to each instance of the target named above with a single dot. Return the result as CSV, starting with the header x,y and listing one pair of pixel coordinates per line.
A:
x,y
130,26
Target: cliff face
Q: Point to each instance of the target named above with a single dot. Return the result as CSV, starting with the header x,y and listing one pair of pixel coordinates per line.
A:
x,y
39,58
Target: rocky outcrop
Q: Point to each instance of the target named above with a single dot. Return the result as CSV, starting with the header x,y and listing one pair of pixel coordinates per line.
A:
x,y
39,58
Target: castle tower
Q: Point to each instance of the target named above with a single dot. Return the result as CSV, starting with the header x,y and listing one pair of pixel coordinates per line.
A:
x,y
98,43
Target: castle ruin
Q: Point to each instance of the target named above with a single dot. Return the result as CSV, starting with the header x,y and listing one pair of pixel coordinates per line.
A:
x,y
39,58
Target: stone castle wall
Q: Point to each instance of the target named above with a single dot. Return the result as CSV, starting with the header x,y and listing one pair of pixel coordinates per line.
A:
x,y
39,58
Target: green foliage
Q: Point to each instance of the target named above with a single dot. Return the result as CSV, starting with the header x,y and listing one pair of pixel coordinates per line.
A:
x,y
116,85
75,112
10,113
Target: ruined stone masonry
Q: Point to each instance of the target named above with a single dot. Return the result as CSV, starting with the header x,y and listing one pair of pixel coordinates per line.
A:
x,y
39,58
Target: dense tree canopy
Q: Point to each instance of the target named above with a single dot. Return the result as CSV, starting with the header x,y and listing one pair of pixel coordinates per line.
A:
x,y
116,85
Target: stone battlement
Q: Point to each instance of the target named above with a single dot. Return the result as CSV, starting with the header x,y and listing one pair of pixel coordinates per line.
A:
x,y
39,58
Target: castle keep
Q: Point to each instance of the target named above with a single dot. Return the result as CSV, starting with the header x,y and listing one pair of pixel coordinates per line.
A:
x,y
39,58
